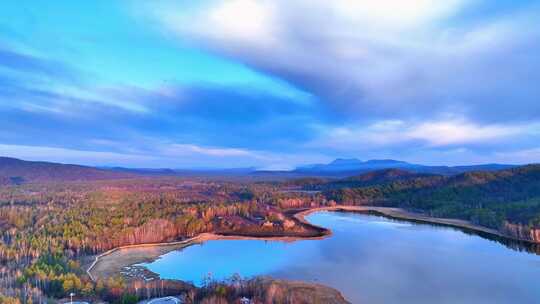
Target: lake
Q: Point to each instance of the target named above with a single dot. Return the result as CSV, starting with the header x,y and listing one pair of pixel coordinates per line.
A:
x,y
372,259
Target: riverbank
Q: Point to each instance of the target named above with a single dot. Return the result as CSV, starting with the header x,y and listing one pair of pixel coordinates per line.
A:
x,y
116,260
401,214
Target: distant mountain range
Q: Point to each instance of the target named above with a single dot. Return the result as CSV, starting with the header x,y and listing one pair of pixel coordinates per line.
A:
x,y
353,166
183,172
16,171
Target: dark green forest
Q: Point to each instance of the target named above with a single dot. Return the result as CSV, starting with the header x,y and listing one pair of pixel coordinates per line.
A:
x,y
485,198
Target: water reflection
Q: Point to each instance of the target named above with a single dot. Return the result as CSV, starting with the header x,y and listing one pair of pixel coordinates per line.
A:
x,y
508,242
376,260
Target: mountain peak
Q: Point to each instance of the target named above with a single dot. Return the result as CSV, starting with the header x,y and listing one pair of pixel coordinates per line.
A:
x,y
357,162
346,161
385,162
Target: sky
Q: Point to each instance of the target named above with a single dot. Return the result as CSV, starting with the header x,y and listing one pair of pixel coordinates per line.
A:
x,y
271,84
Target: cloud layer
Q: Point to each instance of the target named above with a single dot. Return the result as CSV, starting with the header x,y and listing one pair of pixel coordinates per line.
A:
x,y
273,83
381,59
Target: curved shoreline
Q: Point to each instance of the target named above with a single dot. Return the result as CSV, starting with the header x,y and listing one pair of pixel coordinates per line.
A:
x,y
394,213
207,236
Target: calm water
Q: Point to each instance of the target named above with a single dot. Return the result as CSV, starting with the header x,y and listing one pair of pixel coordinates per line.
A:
x,y
371,259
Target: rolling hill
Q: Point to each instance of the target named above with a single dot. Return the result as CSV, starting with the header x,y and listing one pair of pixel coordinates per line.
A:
x,y
15,171
353,166
504,200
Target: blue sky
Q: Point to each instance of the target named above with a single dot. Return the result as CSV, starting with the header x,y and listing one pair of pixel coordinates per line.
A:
x,y
270,84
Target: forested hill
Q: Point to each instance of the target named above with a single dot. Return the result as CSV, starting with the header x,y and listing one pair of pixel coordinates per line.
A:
x,y
378,177
15,171
492,199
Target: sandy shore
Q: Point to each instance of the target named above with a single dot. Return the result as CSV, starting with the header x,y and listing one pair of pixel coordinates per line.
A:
x,y
113,261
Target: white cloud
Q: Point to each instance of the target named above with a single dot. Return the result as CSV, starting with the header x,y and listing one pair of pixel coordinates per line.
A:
x,y
256,20
520,156
184,155
183,149
381,59
396,14
433,75
65,155
159,155
232,17
442,133
430,134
